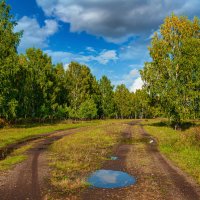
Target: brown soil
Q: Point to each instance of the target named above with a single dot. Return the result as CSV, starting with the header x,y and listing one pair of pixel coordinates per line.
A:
x,y
157,178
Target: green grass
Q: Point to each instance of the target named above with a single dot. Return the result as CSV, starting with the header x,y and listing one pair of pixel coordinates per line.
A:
x,y
11,161
14,158
16,134
182,147
74,157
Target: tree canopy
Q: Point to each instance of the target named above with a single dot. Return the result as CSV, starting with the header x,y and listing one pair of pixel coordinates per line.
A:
x,y
8,62
172,77
32,87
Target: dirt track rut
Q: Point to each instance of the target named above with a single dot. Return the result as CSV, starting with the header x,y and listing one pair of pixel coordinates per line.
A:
x,y
157,178
27,180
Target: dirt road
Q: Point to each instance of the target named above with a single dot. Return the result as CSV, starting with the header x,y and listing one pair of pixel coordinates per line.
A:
x,y
28,179
157,178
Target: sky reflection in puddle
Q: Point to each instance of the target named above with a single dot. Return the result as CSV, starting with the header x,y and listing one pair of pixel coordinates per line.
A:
x,y
114,158
111,179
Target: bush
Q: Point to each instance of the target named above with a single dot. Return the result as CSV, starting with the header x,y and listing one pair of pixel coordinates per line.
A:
x,y
88,110
62,112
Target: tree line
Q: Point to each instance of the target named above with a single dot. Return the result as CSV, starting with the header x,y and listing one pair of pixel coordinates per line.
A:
x,y
32,87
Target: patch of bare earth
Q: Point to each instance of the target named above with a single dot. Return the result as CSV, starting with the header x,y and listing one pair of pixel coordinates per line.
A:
x,y
26,181
157,178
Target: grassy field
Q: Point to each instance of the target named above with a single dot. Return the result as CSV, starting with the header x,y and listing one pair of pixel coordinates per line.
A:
x,y
21,133
16,134
74,157
182,147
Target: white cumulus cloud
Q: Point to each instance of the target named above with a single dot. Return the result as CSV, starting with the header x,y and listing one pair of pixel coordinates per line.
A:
x,y
90,49
137,84
103,57
35,35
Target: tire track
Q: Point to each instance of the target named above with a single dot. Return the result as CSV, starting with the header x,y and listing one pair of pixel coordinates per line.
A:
x,y
27,181
157,178
182,187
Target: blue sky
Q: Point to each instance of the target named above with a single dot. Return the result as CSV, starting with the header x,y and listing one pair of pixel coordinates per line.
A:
x,y
109,36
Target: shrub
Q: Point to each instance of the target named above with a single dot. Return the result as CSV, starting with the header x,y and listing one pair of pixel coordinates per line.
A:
x,y
88,110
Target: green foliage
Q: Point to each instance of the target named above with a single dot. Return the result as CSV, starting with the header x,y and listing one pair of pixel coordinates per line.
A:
x,y
80,84
107,97
88,110
62,112
59,97
35,84
122,101
172,77
33,88
140,105
8,59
